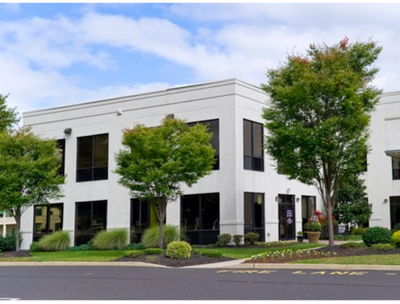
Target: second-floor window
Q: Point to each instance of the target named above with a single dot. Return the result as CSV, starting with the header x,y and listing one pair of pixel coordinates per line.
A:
x,y
61,147
253,134
92,158
213,127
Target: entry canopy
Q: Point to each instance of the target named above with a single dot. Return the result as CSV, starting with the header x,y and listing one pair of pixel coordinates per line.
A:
x,y
394,153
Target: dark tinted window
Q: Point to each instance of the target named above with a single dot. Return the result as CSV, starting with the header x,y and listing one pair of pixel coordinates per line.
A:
x,y
91,218
253,146
47,219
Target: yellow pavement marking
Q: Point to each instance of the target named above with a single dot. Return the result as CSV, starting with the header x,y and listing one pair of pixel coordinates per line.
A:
x,y
247,271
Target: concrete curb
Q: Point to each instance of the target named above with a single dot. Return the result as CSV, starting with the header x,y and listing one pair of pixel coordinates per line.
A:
x,y
235,264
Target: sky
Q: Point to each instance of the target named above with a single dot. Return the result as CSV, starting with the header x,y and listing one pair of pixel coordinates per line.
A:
x,y
60,54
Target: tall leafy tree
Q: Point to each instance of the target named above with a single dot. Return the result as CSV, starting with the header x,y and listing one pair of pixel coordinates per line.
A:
x,y
319,112
28,172
158,161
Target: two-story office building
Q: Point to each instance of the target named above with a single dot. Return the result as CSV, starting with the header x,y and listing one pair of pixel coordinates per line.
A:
x,y
383,175
243,193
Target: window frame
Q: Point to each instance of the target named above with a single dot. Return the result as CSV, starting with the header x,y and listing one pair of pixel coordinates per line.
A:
x,y
93,170
252,157
48,214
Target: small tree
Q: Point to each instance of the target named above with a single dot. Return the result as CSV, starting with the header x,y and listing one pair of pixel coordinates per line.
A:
x,y
319,113
28,172
158,161
352,205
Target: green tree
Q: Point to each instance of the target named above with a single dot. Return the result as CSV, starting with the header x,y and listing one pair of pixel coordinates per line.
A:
x,y
158,161
28,172
352,205
319,112
8,116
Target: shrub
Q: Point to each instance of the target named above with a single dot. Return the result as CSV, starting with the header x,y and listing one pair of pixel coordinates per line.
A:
x,y
134,246
313,226
251,238
153,251
376,235
83,247
151,235
179,250
35,247
133,253
357,231
212,254
110,240
383,247
57,241
224,239
237,239
8,243
352,245
396,238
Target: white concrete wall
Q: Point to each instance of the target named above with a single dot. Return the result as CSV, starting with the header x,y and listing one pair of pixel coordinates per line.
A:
x,y
385,136
230,101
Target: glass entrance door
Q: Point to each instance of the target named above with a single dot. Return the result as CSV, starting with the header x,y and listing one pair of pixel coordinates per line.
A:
x,y
287,217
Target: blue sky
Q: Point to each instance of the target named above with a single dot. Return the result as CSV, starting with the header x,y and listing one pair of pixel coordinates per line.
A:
x,y
59,54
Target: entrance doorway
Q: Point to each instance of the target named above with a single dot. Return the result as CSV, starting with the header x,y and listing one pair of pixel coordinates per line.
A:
x,y
287,217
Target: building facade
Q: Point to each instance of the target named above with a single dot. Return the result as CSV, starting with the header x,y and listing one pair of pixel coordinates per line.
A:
x,y
243,193
383,175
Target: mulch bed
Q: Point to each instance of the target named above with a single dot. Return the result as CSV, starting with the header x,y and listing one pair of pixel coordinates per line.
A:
x,y
15,254
195,259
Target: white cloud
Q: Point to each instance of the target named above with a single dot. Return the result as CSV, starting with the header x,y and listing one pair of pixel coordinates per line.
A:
x,y
238,40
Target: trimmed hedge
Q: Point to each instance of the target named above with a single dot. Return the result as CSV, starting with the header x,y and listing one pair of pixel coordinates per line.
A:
x,y
352,245
396,238
383,247
83,247
377,235
237,239
224,239
251,238
133,253
134,246
153,251
179,250
212,254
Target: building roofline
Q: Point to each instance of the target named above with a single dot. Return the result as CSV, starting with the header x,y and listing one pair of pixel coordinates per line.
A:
x,y
170,90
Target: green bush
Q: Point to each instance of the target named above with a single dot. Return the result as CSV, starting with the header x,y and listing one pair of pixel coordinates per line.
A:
x,y
212,254
8,243
251,238
224,239
396,238
134,246
383,247
153,251
83,247
237,239
377,235
57,241
134,253
179,250
35,247
352,245
150,236
110,240
357,231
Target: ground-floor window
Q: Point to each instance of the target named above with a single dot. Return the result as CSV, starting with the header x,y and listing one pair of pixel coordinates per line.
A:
x,y
254,214
143,216
308,206
200,217
394,211
91,217
46,220
287,217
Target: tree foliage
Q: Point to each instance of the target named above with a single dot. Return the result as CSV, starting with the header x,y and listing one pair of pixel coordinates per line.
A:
x,y
8,116
352,205
319,112
158,161
28,172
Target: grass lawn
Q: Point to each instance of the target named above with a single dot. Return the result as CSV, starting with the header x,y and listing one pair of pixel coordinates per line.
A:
x,y
242,252
69,256
349,238
389,259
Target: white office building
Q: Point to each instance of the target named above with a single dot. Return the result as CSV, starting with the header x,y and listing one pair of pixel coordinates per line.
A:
x,y
243,193
383,175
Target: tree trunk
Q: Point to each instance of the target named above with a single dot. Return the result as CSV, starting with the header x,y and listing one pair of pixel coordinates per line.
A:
x,y
17,217
330,224
161,210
